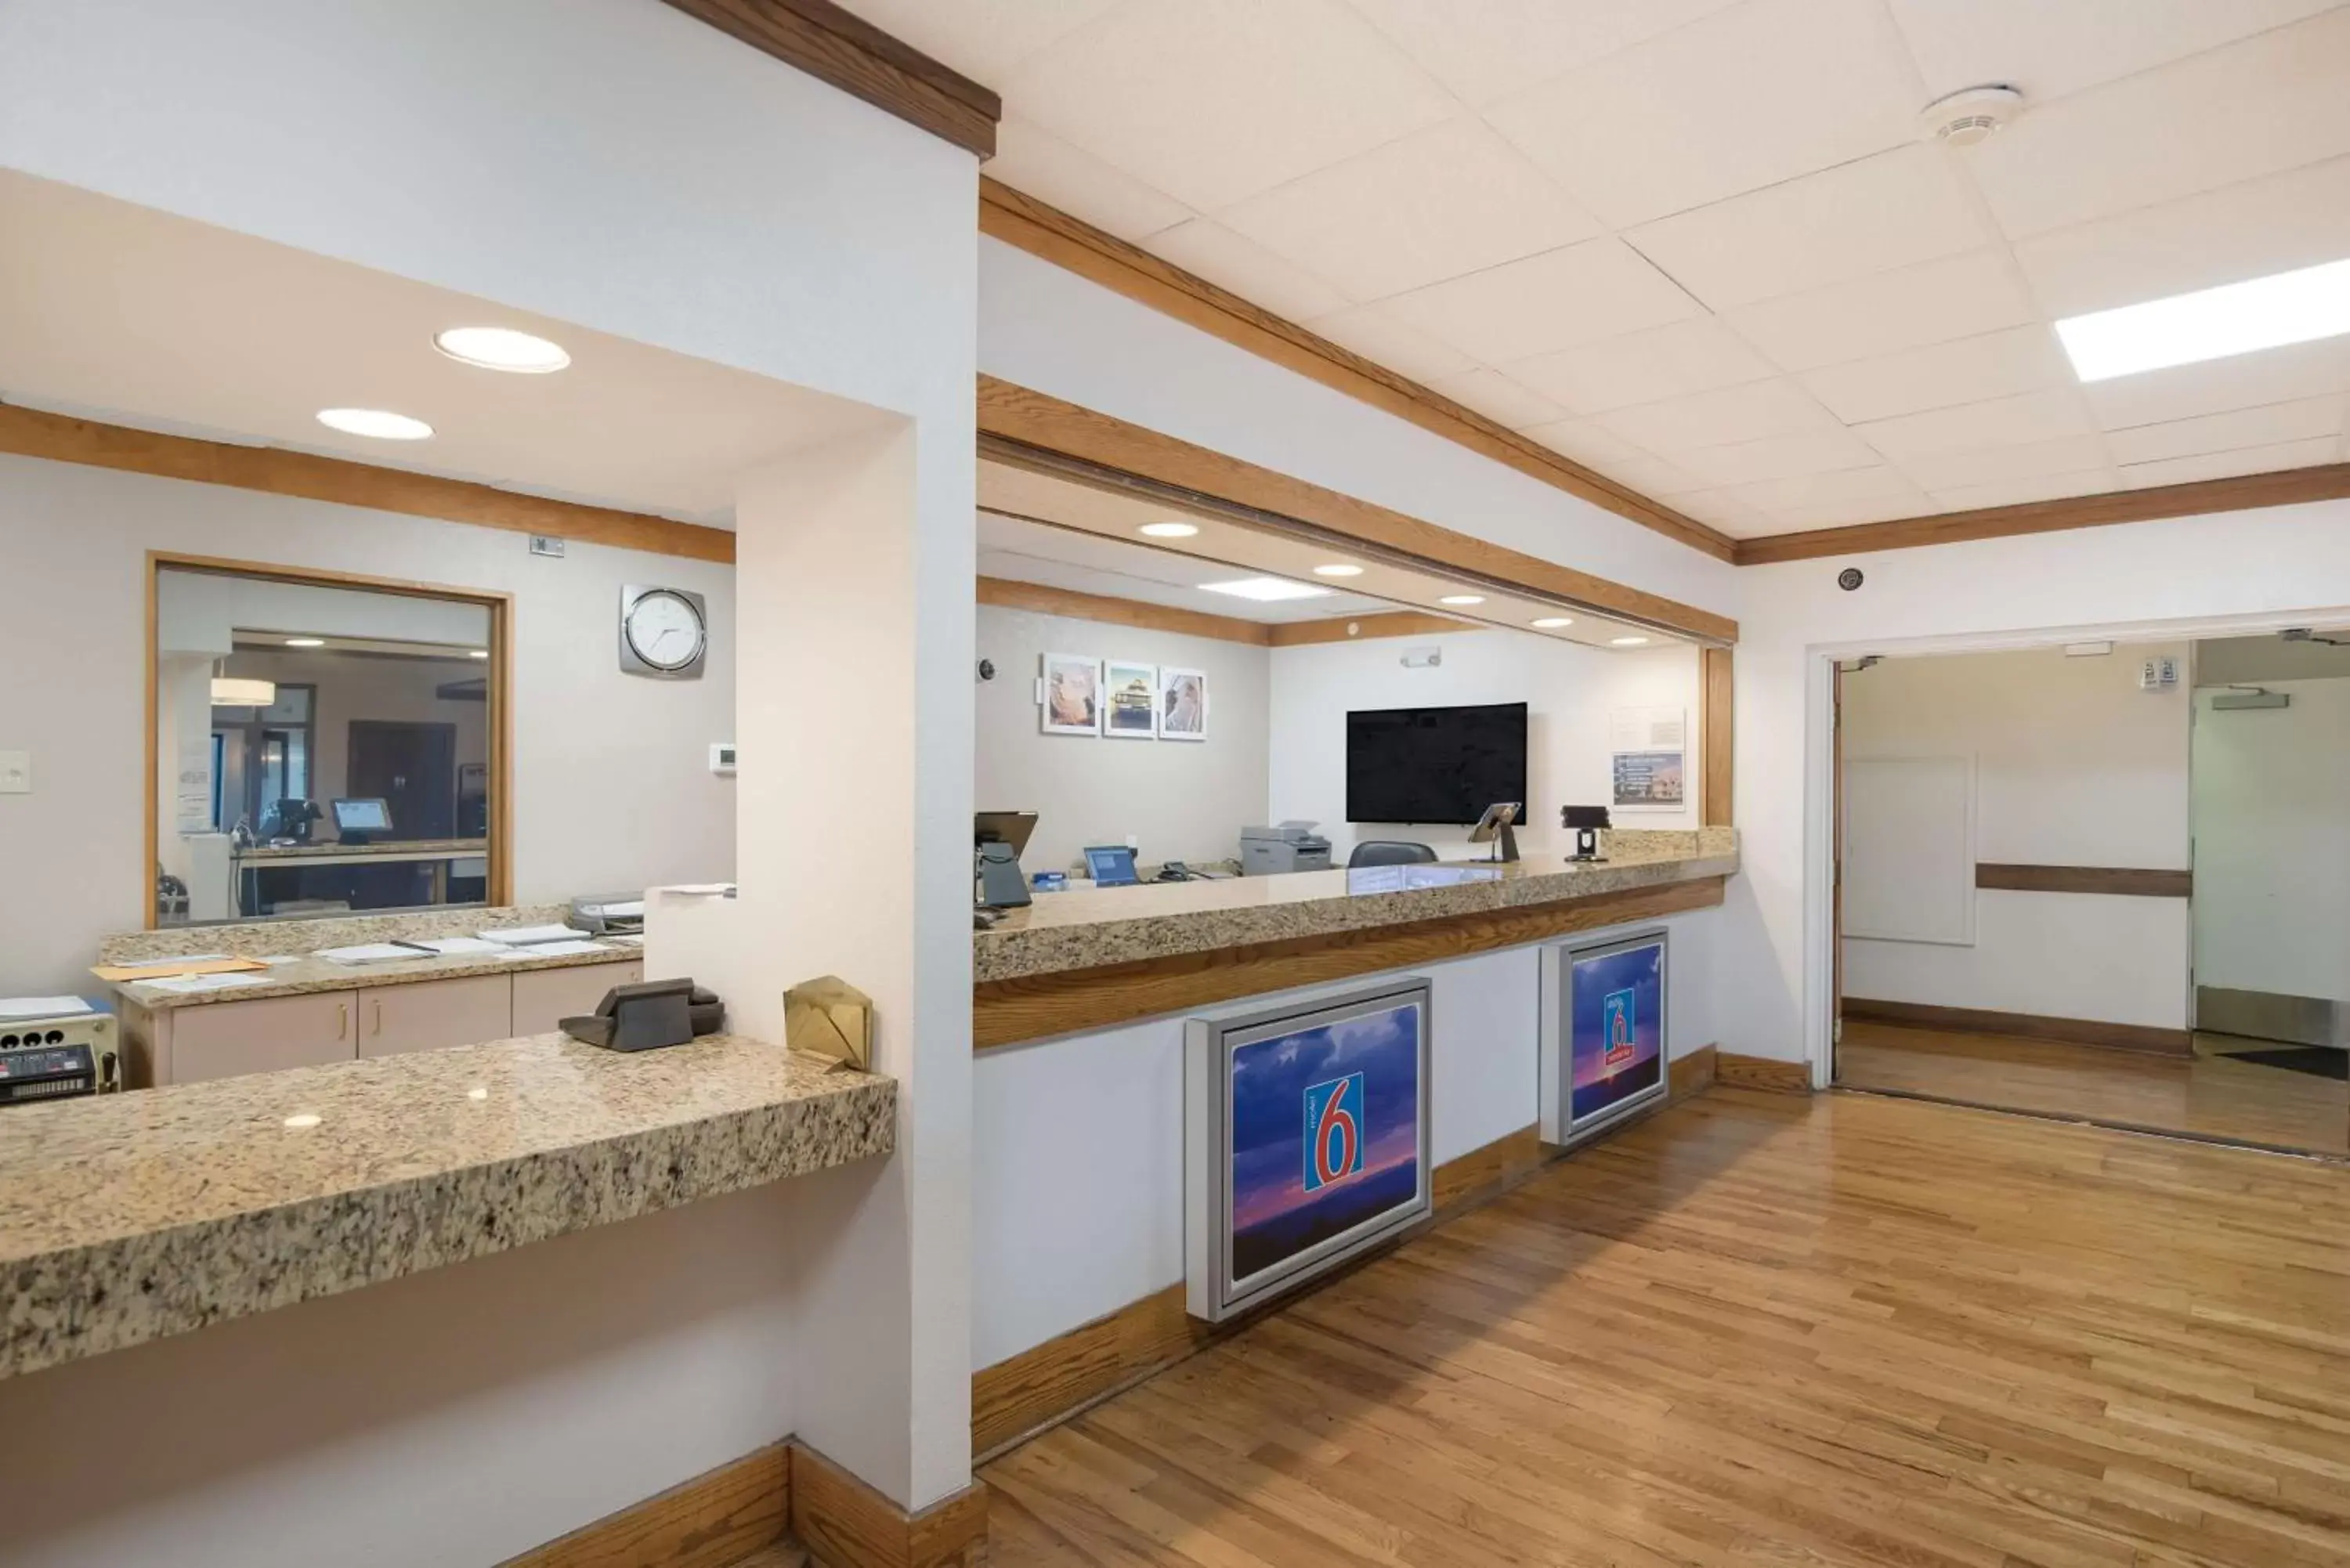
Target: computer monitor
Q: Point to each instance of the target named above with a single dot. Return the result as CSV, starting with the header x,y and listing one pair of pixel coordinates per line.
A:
x,y
1111,866
357,820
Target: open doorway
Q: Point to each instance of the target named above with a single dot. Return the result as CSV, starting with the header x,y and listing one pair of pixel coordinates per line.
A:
x,y
2094,881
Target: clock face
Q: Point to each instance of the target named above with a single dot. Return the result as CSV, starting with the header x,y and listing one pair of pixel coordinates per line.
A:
x,y
664,630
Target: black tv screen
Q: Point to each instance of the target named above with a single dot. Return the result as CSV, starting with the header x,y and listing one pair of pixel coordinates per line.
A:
x,y
1435,764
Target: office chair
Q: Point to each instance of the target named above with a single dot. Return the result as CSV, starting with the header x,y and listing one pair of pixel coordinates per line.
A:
x,y
1389,852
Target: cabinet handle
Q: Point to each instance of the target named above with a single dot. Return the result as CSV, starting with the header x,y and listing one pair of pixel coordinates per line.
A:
x,y
379,1015
342,1019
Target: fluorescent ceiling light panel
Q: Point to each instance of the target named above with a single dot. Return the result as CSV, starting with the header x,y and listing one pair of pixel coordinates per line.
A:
x,y
1553,622
305,642
1627,642
1169,530
1463,600
2210,324
1339,569
1266,591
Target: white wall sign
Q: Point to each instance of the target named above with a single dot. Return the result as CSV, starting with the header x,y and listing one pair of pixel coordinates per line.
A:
x,y
1648,750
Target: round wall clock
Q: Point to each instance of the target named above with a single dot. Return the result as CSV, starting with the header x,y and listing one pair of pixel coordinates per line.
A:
x,y
664,632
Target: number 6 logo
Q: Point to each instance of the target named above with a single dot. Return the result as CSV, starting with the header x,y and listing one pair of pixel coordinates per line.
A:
x,y
1333,1131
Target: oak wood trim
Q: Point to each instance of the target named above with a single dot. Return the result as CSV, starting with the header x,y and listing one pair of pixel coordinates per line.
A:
x,y
1006,593
1693,1074
1717,708
2137,1037
1383,623
2245,493
836,46
1038,419
1076,245
2143,884
845,1524
1036,1007
1766,1073
708,1522
29,433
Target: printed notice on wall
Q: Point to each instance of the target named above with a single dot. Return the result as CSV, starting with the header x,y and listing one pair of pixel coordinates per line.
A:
x,y
1649,747
193,791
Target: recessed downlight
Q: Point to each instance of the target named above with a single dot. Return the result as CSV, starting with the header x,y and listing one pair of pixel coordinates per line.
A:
x,y
379,424
502,348
1463,600
305,642
1339,569
1553,622
1169,530
301,1119
477,653
1627,642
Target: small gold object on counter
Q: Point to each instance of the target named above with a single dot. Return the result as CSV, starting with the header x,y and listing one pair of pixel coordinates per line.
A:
x,y
830,1018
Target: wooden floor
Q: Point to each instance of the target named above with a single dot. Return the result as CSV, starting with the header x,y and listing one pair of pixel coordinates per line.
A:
x,y
1766,1329
2208,1095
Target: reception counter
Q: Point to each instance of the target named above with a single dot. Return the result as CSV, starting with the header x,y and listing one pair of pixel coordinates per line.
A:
x,y
134,1217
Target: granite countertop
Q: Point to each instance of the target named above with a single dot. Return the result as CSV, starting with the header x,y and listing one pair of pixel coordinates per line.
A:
x,y
1086,930
454,848
134,1217
305,975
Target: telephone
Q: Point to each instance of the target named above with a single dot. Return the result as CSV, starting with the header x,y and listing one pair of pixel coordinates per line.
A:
x,y
648,1016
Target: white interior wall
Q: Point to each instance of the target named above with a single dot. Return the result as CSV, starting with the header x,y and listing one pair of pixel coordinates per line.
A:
x,y
1182,800
2073,765
1570,691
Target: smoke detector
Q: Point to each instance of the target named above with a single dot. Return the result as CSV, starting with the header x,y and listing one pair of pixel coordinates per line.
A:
x,y
1969,115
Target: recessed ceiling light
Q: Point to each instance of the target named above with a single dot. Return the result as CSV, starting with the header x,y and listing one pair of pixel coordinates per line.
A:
x,y
1553,622
303,1120
477,653
305,642
501,348
1627,642
2210,324
379,423
1339,569
1266,591
1463,600
1169,530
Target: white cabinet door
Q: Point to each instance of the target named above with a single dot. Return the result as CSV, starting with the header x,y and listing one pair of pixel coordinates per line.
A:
x,y
427,1014
222,1039
543,998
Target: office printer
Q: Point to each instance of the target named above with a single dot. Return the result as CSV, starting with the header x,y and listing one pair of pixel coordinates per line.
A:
x,y
1290,847
611,915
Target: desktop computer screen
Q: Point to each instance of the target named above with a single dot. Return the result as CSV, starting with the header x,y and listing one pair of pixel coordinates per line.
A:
x,y
1111,866
362,816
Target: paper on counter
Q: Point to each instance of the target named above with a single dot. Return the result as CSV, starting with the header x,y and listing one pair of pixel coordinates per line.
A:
x,y
189,984
274,960
41,1006
531,936
169,962
156,969
367,952
452,947
561,950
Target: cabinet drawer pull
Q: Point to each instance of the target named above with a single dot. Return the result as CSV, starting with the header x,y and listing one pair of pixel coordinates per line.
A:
x,y
379,1015
342,1019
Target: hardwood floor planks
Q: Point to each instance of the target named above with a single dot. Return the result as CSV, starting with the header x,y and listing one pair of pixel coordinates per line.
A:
x,y
1836,1330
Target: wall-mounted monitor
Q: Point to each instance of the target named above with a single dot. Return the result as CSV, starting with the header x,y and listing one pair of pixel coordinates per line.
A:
x,y
1603,1050
1306,1141
1434,764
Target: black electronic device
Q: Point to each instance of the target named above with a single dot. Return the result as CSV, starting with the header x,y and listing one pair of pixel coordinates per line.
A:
x,y
648,1016
1585,822
361,820
1497,827
998,837
288,819
47,1073
1434,764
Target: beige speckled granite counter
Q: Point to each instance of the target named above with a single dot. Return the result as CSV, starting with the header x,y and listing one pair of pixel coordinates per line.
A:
x,y
383,848
307,975
1088,930
132,1217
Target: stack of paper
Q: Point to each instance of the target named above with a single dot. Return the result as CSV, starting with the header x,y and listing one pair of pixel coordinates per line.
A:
x,y
453,947
531,936
41,1006
367,952
562,950
190,984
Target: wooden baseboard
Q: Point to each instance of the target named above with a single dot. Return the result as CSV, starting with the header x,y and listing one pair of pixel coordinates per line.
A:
x,y
1693,1074
845,1524
1766,1073
717,1518
2137,1037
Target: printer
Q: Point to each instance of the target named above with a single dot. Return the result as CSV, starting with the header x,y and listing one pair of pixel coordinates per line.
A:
x,y
609,915
1288,847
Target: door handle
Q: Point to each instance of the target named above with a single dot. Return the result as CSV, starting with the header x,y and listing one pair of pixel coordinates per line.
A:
x,y
342,1019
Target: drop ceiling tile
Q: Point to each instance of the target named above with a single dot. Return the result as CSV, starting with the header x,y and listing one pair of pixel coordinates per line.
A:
x,y
1894,210
2245,381
1495,48
1545,303
2025,491
1378,334
1651,476
2228,465
1942,375
1725,415
1693,356
2296,219
2051,49
1720,509
1950,471
2306,419
1040,164
1591,443
1500,399
2021,420
1958,297
983,39
1859,510
1748,97
1778,457
1215,100
2254,108
1232,261
1878,483
1452,199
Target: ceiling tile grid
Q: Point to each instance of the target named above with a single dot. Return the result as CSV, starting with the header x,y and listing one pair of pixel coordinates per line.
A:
x,y
1697,245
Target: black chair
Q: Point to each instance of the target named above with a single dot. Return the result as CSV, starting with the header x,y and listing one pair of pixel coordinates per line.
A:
x,y
1389,852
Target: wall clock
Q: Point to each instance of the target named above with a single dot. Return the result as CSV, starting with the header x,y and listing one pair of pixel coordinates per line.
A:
x,y
664,633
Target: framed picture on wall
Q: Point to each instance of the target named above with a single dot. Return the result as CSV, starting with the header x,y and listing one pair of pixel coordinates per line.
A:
x,y
1130,700
1182,704
1069,694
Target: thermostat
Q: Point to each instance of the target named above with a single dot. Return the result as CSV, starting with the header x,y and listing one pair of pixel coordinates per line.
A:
x,y
722,756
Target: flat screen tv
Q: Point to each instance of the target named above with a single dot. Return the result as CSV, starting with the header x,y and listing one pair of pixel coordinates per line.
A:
x,y
1435,764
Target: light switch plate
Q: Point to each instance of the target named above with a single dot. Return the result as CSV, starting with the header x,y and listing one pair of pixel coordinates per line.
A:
x,y
16,773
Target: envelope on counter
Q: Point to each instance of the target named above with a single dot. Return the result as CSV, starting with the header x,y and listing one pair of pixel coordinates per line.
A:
x,y
830,1018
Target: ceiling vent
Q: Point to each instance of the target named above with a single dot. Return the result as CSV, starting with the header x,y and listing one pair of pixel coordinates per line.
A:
x,y
1968,116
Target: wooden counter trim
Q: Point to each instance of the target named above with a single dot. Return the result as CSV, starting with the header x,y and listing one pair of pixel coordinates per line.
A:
x,y
845,1524
1036,1007
27,432
1717,724
709,1522
2142,884
1069,242
2031,1025
836,46
1042,600
1383,623
1013,413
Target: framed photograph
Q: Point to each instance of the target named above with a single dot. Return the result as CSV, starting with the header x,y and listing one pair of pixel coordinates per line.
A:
x,y
1130,700
1603,1034
1306,1141
1182,704
1070,694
